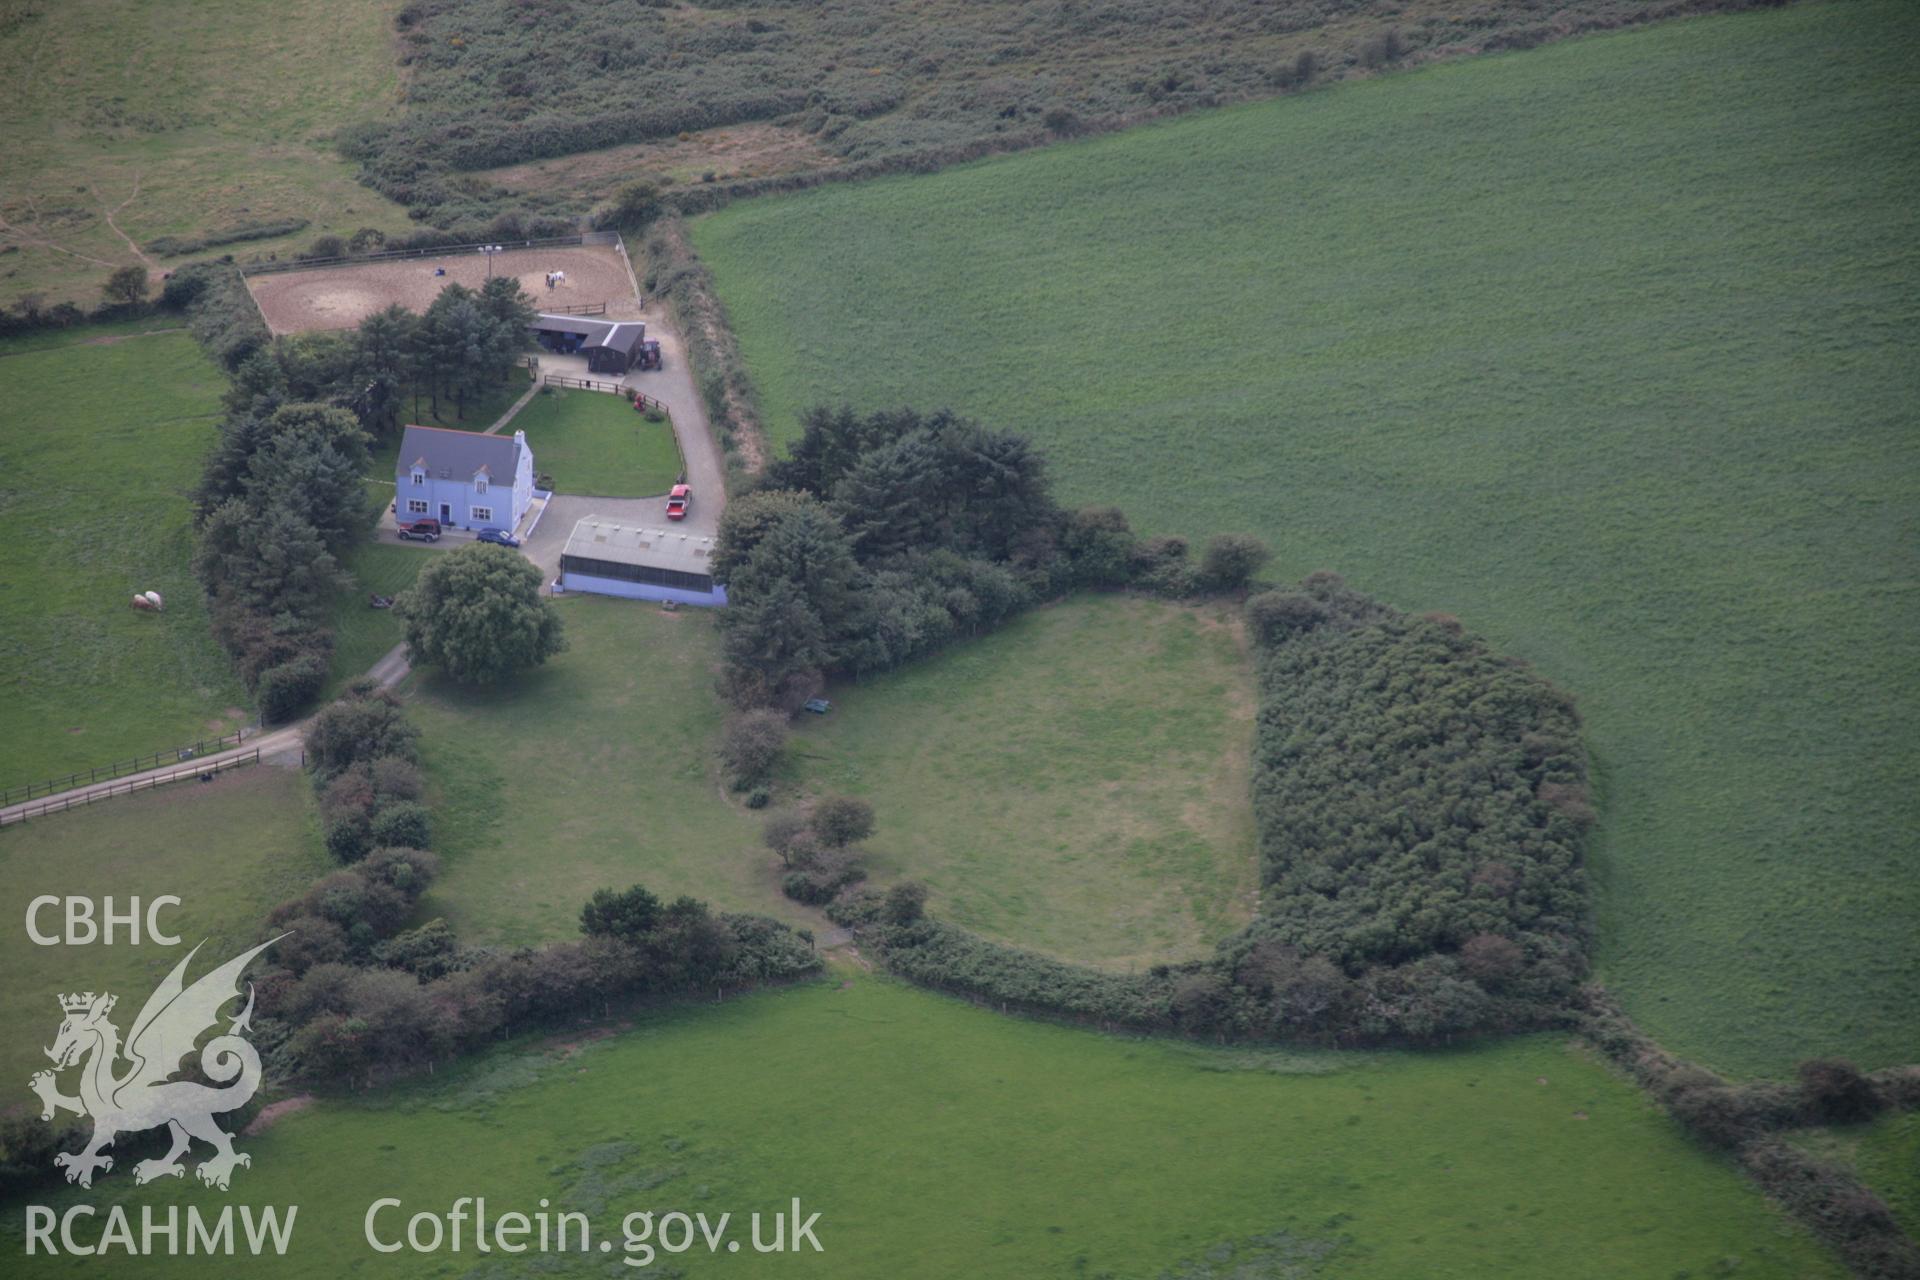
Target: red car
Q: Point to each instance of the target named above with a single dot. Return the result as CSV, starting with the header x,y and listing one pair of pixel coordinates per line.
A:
x,y
425,530
679,498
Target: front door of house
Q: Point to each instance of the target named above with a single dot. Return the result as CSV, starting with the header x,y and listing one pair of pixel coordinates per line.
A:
x,y
446,513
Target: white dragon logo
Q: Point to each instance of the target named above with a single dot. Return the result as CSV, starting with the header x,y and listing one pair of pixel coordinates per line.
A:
x,y
146,1096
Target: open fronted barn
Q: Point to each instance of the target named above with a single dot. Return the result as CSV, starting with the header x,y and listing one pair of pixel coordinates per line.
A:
x,y
610,346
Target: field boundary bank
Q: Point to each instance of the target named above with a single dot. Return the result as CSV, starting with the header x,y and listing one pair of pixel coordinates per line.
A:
x,y
204,772
121,768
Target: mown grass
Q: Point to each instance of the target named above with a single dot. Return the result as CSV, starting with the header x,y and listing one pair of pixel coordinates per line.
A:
x,y
594,443
180,120
362,635
100,446
1603,347
228,850
1075,783
936,1139
596,770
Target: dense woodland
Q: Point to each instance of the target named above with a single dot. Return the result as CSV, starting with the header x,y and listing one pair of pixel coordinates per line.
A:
x,y
882,537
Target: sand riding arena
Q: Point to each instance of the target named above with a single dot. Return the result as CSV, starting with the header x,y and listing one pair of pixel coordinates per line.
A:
x,y
339,297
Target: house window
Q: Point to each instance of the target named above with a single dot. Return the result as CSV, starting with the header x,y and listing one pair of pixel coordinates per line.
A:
x,y
419,477
416,506
483,513
479,484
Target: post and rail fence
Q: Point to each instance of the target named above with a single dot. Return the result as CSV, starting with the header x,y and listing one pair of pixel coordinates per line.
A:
x,y
646,402
578,309
395,255
206,771
119,769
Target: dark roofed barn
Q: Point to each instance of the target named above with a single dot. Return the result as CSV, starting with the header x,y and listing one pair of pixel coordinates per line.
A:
x,y
610,346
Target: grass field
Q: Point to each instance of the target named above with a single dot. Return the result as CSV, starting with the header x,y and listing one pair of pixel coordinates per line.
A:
x,y
936,1140
228,850
1886,1156
594,443
100,446
362,635
1075,783
596,770
1605,347
89,334
131,119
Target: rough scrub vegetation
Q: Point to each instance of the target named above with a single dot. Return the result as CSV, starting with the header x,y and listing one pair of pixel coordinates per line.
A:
x,y
1422,803
499,82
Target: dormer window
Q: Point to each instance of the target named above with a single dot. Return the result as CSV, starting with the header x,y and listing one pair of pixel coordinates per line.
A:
x,y
479,484
419,477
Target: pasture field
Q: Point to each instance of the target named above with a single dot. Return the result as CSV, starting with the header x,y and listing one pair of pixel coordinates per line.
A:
x,y
1101,817
132,119
1604,348
100,447
100,333
229,850
595,770
1885,1155
936,1139
595,443
1093,810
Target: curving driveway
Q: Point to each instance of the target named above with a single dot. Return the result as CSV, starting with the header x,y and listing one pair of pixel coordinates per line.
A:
x,y
673,386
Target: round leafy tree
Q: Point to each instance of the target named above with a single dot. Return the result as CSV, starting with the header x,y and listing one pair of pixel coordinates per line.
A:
x,y
477,614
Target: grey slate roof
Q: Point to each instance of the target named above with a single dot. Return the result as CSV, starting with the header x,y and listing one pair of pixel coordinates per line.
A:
x,y
458,455
620,335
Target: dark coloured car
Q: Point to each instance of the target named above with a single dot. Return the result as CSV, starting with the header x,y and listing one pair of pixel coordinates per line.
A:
x,y
499,537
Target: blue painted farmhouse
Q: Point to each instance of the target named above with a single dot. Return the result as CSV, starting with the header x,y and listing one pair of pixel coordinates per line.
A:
x,y
463,479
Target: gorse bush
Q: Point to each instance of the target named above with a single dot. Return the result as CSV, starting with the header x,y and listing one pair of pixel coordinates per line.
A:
x,y
1416,793
181,246
1421,809
499,82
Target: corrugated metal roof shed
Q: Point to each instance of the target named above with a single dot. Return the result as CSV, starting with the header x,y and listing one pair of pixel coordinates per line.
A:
x,y
598,538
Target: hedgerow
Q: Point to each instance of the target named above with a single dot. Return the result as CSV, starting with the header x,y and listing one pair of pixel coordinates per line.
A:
x,y
354,994
181,246
1421,805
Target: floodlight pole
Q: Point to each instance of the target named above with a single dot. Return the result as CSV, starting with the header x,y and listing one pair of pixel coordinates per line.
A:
x,y
490,250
